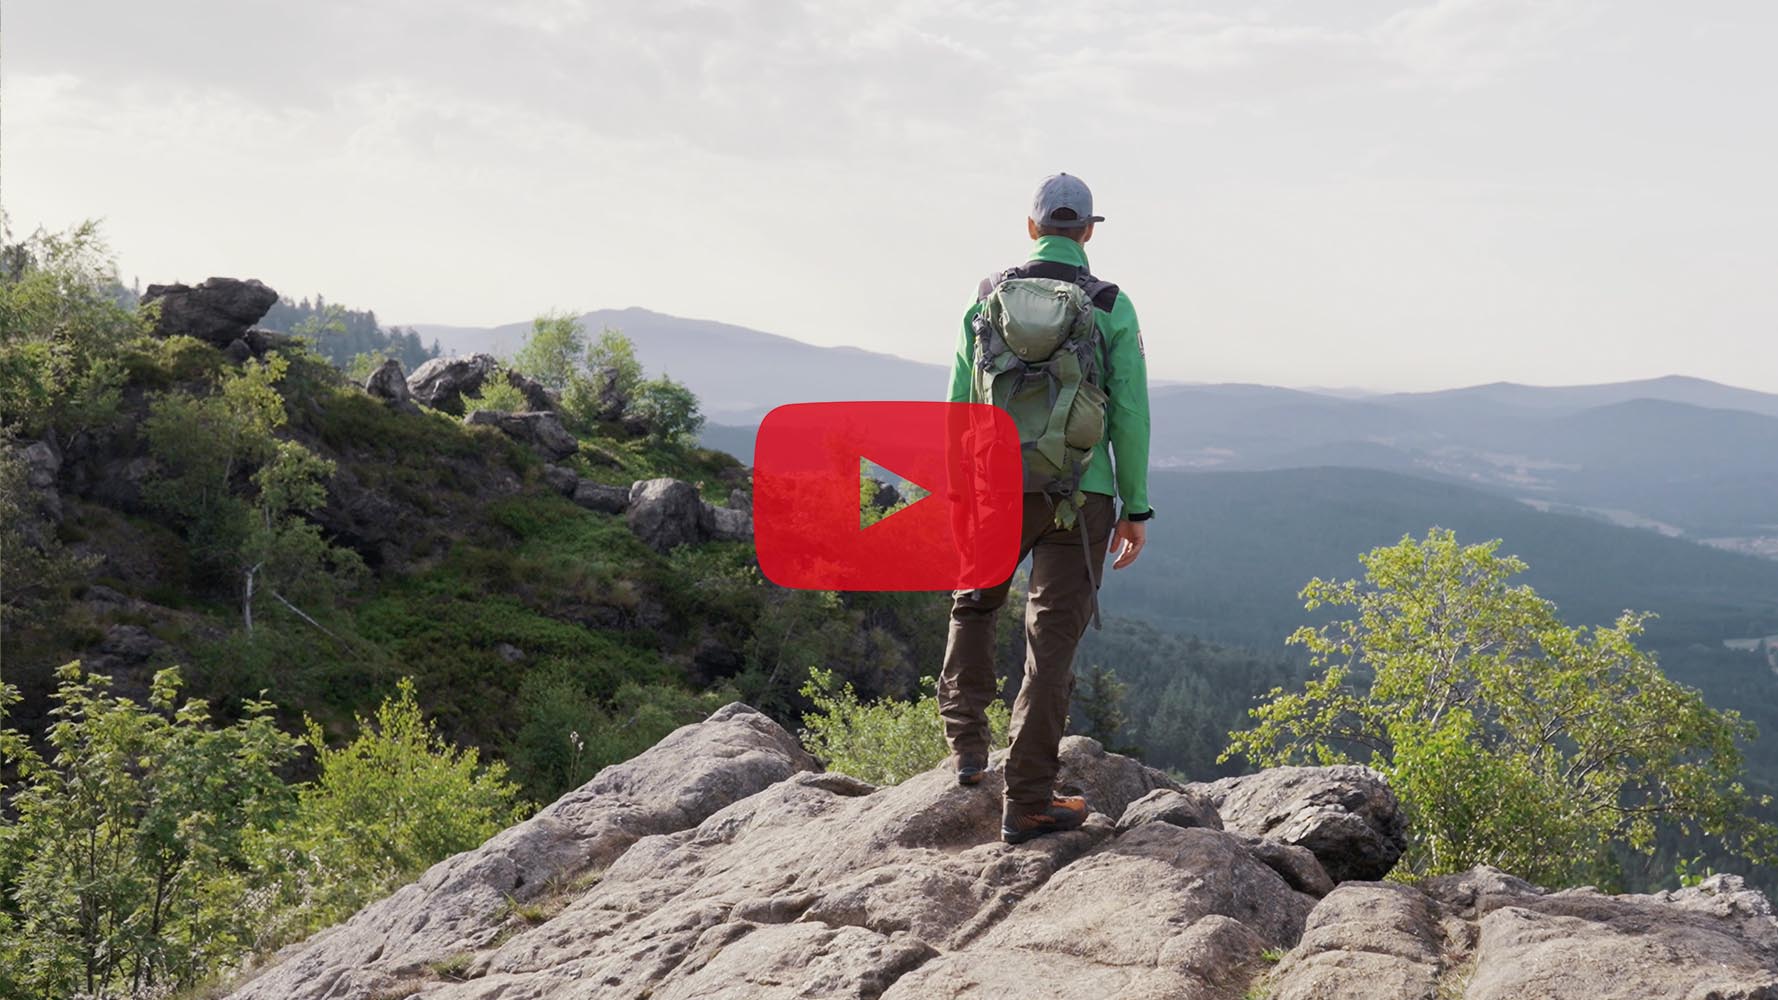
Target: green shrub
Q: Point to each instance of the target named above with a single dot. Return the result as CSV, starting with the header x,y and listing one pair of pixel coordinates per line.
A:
x,y
569,731
385,806
125,854
1511,738
497,394
668,409
62,329
886,741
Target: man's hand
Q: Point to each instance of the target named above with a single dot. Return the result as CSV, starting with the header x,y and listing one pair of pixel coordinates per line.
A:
x,y
1127,541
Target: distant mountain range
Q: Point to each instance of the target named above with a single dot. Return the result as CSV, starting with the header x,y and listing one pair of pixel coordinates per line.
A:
x,y
1682,456
737,373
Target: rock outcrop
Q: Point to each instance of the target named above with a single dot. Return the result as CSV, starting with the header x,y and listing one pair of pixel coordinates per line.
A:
x,y
721,863
465,902
541,430
1344,815
441,383
220,311
537,395
389,384
665,513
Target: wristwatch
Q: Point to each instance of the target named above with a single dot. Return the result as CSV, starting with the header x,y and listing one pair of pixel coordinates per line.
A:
x,y
1145,515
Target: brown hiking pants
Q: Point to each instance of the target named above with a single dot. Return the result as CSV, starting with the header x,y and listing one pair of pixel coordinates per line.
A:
x,y
1057,610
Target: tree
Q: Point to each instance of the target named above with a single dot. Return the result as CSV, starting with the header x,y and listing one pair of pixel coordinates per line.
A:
x,y
385,806
117,845
554,353
1100,704
615,356
60,329
203,445
668,409
1511,738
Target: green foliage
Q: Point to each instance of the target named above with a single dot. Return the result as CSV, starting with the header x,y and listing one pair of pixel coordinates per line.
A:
x,y
386,805
126,852
1099,705
885,741
61,328
569,730
36,572
668,409
203,445
497,394
615,357
555,353
1512,739
1185,694
350,339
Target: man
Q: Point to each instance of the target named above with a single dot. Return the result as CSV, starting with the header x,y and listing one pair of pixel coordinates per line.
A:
x,y
1065,569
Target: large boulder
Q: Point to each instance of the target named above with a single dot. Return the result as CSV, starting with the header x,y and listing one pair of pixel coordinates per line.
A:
x,y
564,480
389,384
602,498
726,524
463,903
541,431
666,513
537,395
218,311
41,462
1346,815
442,383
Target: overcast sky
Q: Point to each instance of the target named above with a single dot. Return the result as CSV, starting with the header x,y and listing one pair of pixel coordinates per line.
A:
x,y
1385,194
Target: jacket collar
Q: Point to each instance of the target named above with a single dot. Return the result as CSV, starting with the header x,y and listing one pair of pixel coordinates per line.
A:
x,y
1061,250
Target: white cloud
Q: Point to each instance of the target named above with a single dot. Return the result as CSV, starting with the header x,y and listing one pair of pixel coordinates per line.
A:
x,y
1296,189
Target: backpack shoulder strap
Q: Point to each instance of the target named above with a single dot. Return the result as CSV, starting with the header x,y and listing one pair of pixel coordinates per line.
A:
x,y
993,281
1103,294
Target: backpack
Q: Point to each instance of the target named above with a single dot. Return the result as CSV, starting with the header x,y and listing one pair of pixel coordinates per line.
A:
x,y
1038,350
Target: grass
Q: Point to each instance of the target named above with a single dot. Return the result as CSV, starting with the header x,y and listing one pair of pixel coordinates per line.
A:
x,y
454,967
1453,983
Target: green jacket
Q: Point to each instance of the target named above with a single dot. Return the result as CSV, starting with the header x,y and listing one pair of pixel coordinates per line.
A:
x,y
1126,381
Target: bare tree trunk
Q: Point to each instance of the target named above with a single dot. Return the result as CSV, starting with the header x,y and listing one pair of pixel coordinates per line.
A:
x,y
247,597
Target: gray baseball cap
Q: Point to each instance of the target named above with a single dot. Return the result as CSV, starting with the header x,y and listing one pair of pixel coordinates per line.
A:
x,y
1063,202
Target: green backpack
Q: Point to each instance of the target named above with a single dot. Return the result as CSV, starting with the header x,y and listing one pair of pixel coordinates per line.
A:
x,y
1037,356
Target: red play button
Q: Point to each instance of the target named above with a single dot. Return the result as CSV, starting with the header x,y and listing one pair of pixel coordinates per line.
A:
x,y
965,534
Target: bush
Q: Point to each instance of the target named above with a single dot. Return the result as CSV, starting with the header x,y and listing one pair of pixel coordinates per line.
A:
x,y
61,330
1511,738
386,805
668,409
886,741
499,395
568,732
127,852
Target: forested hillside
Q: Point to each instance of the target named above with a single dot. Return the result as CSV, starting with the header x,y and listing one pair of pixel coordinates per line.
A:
x,y
344,336
229,561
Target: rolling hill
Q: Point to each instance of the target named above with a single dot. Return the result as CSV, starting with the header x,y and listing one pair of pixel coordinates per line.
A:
x,y
1681,455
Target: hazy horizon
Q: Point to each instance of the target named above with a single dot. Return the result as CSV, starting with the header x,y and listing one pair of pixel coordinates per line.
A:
x,y
1330,390
1400,196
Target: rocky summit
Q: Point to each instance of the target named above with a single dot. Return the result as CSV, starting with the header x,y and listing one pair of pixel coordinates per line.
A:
x,y
723,863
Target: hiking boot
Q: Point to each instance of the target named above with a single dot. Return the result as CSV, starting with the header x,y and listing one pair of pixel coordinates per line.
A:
x,y
1020,823
971,765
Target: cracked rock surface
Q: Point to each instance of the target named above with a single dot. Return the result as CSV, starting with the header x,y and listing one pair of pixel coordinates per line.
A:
x,y
723,864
